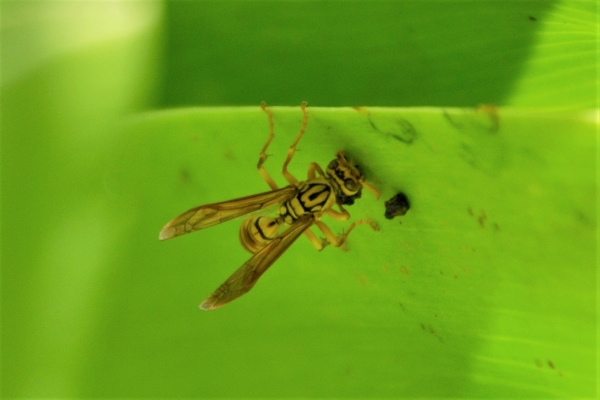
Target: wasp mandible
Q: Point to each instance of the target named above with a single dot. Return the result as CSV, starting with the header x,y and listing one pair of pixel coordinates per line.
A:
x,y
302,204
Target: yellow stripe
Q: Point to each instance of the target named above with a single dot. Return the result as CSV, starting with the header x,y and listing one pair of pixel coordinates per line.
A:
x,y
320,194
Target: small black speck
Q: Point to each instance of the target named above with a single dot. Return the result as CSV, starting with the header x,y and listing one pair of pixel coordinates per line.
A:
x,y
532,18
396,206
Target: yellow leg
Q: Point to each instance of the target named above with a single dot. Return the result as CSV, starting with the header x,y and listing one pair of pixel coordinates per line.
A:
x,y
338,216
313,169
318,243
338,241
289,177
263,154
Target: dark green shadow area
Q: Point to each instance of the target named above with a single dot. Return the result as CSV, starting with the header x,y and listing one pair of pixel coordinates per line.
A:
x,y
332,53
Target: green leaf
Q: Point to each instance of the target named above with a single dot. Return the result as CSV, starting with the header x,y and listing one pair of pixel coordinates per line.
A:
x,y
484,287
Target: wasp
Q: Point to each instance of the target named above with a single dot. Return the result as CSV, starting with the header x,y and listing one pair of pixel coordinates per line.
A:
x,y
301,205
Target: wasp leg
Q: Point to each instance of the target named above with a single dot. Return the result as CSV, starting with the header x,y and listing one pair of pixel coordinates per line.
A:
x,y
318,243
337,215
338,241
313,169
289,177
263,154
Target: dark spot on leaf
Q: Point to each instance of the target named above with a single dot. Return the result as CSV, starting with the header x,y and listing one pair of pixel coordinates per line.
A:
x,y
396,206
430,329
229,155
492,111
398,128
407,133
481,219
185,175
539,363
449,118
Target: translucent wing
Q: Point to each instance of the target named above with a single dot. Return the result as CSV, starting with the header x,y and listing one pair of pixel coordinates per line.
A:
x,y
246,276
213,214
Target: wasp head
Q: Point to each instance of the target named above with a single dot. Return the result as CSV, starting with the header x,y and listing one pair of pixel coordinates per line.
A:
x,y
349,179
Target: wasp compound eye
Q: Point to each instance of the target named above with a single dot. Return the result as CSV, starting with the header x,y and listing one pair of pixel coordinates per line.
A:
x,y
352,185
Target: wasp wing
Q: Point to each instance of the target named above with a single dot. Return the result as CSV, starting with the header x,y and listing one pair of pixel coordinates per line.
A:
x,y
213,214
246,276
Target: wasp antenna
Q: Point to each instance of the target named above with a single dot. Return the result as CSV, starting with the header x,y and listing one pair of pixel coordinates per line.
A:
x,y
370,189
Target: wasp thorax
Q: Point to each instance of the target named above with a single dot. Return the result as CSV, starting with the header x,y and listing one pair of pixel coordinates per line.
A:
x,y
347,177
257,232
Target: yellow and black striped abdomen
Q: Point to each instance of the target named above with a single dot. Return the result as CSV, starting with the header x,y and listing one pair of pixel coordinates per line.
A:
x,y
313,197
258,232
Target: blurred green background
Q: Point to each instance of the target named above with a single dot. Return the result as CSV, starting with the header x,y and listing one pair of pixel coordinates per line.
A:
x,y
100,149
